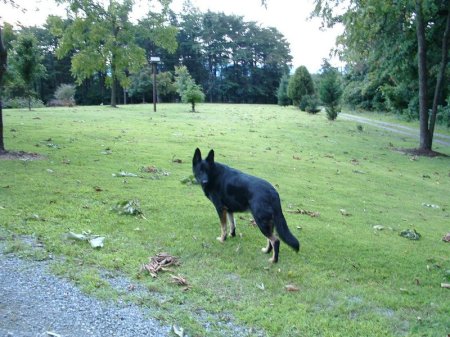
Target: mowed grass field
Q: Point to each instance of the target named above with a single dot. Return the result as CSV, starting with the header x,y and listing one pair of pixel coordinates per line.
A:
x,y
354,275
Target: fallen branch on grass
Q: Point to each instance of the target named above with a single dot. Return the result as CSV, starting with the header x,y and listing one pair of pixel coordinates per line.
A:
x,y
312,214
160,262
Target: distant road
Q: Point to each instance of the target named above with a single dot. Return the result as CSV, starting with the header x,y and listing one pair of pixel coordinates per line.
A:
x,y
438,138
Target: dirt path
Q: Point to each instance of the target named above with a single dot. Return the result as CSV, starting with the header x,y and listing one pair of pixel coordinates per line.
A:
x,y
396,128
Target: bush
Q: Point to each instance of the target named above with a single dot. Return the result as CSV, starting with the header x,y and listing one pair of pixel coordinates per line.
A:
x,y
332,112
443,115
310,103
22,102
64,95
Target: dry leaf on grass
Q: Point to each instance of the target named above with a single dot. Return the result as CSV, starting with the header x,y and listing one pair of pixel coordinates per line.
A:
x,y
160,262
178,331
291,287
181,281
312,214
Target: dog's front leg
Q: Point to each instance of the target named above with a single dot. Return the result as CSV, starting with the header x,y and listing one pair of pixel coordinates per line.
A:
x,y
223,225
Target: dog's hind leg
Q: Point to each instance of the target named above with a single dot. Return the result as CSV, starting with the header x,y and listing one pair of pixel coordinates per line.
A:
x,y
232,224
268,249
273,244
223,225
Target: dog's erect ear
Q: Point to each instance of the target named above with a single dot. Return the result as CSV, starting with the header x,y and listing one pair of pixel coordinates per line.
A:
x,y
197,156
210,158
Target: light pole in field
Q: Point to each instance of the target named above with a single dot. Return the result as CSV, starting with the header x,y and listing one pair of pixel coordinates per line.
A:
x,y
154,60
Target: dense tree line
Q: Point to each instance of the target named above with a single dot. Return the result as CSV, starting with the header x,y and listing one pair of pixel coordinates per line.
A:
x,y
107,57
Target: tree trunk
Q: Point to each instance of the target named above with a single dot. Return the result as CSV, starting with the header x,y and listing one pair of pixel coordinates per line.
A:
x,y
193,106
425,137
113,91
441,75
3,62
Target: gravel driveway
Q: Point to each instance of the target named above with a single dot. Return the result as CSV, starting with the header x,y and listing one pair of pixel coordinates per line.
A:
x,y
438,138
35,303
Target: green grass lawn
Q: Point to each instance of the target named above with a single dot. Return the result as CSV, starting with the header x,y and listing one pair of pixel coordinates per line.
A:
x,y
352,279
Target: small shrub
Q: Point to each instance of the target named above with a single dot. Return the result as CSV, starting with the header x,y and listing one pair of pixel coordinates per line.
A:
x,y
64,95
310,103
22,102
332,112
443,115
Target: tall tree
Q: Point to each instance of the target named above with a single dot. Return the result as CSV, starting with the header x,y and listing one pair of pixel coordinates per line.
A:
x,y
103,40
393,38
300,85
26,63
3,64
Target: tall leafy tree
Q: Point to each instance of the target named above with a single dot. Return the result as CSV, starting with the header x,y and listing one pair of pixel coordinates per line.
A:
x,y
401,42
26,63
103,40
3,64
300,85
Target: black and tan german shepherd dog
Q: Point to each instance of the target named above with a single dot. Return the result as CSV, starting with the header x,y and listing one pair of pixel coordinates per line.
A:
x,y
233,191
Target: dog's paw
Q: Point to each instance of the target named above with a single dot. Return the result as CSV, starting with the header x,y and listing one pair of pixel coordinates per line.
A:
x,y
265,250
221,239
272,260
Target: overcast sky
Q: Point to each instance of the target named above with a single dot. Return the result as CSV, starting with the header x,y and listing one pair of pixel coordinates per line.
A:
x,y
309,45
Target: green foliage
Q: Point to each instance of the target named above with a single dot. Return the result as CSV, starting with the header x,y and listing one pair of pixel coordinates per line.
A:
x,y
103,40
65,95
300,84
165,86
23,102
26,63
282,92
142,84
310,103
381,37
443,115
330,90
232,59
189,91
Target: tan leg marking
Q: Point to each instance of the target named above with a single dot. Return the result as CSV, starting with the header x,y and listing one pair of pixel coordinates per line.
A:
x,y
223,226
232,224
275,242
268,248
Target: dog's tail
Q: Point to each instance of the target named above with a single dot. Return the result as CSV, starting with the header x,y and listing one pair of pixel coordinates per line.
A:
x,y
284,232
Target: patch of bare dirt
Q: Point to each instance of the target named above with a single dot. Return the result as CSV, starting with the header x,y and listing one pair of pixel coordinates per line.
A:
x,y
20,155
422,153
